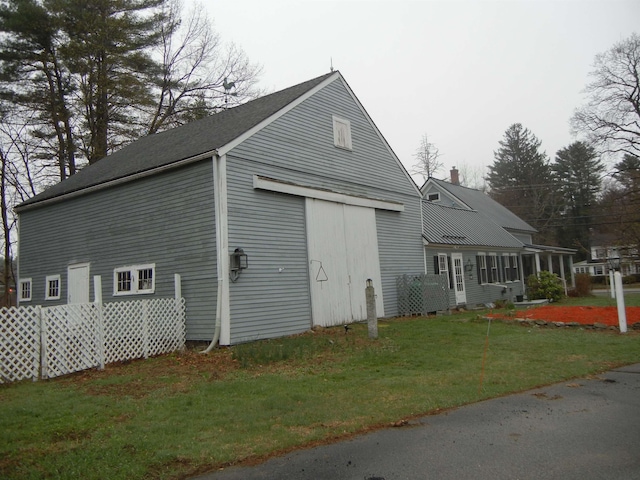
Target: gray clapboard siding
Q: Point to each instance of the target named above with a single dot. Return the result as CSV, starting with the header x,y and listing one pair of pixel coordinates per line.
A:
x,y
299,148
129,225
266,302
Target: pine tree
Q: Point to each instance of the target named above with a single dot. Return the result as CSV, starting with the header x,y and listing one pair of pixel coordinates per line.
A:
x,y
578,171
520,179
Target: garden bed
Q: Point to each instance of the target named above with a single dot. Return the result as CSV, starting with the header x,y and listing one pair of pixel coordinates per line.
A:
x,y
594,317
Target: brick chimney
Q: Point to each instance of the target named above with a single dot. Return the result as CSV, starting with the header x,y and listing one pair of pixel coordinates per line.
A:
x,y
455,178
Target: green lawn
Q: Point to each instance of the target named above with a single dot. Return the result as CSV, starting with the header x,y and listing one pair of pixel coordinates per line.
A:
x,y
185,413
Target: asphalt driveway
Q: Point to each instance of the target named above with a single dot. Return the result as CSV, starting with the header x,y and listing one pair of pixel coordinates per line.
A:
x,y
581,429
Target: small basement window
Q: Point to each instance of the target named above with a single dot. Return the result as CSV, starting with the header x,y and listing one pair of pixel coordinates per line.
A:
x,y
52,287
134,280
342,133
24,290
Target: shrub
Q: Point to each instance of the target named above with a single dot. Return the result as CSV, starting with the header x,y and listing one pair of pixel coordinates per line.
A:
x,y
583,287
545,285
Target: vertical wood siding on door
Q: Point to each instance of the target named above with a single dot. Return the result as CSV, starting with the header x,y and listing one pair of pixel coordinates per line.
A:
x,y
167,219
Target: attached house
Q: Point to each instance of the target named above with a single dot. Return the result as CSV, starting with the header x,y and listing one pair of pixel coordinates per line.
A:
x,y
486,249
275,213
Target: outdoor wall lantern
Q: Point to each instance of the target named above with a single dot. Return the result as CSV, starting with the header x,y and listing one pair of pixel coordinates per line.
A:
x,y
614,263
468,267
238,262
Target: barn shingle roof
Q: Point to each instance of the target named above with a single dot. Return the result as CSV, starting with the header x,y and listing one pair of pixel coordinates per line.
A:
x,y
181,143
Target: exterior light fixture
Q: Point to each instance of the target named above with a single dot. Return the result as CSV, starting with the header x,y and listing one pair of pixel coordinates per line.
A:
x,y
614,263
468,267
238,262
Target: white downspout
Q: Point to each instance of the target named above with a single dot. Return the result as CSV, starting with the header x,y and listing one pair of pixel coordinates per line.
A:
x,y
222,251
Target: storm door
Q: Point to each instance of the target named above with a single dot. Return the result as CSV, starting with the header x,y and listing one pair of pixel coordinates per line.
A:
x,y
458,277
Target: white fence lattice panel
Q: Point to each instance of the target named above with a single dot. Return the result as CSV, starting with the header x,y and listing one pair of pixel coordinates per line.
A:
x,y
72,339
53,341
19,343
142,328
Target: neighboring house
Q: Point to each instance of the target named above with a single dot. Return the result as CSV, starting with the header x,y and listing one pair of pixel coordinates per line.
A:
x,y
598,264
300,181
495,243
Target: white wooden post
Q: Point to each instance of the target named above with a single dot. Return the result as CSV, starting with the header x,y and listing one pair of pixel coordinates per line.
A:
x,y
550,263
612,284
180,318
97,300
622,314
538,268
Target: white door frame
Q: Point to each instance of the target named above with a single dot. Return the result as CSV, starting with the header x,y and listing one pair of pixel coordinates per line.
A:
x,y
78,283
457,264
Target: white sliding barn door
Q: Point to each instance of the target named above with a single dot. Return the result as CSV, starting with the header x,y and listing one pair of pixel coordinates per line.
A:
x,y
343,253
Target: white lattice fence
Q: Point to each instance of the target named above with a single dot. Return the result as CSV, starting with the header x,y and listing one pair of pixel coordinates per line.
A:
x,y
19,343
71,339
142,328
53,341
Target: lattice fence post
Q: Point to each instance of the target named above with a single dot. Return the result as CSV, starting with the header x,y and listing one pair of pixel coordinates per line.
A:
x,y
145,327
44,366
180,313
97,300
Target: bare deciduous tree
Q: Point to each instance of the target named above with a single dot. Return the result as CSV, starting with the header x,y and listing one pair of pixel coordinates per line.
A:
x,y
611,117
427,159
200,75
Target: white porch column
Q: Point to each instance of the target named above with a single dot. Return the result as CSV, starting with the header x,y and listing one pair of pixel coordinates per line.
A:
x,y
572,273
564,281
538,269
550,262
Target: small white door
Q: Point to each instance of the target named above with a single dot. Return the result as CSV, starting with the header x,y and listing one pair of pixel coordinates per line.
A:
x,y
458,277
78,283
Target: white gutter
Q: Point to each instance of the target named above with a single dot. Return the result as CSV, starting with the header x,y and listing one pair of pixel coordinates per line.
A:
x,y
222,332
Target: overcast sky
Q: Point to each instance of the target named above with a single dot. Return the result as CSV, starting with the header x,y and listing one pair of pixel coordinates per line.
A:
x,y
460,71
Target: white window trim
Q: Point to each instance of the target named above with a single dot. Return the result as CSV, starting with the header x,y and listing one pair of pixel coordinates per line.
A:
x,y
494,268
135,271
515,267
342,125
47,284
22,282
482,260
442,270
436,196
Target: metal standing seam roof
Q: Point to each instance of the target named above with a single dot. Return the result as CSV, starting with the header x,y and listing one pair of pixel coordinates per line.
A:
x,y
463,227
180,143
487,206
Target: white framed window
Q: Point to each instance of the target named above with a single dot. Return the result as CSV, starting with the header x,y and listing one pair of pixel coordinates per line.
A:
x,y
433,197
506,268
493,265
482,266
514,267
24,290
52,287
443,266
342,133
134,280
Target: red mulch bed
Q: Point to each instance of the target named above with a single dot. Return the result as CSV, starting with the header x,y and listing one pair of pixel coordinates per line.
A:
x,y
583,315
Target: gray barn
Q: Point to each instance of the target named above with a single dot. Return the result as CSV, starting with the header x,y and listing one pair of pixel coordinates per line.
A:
x,y
301,180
